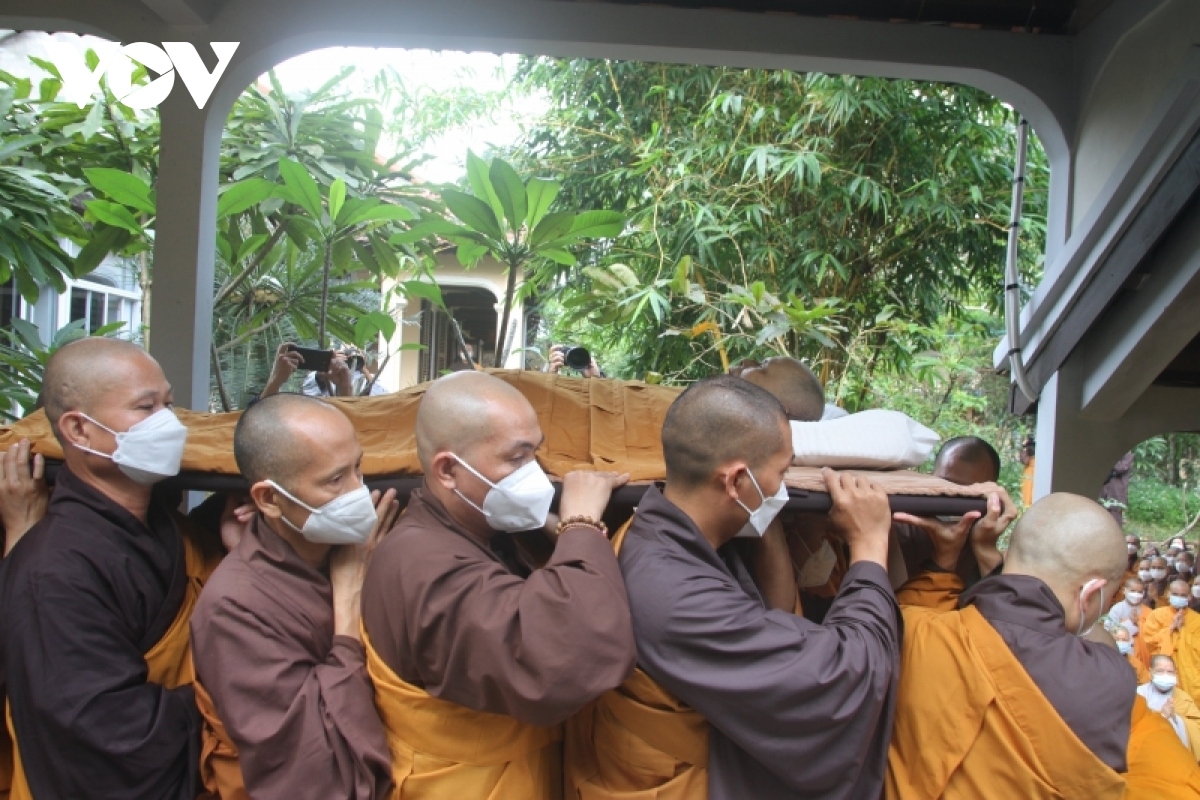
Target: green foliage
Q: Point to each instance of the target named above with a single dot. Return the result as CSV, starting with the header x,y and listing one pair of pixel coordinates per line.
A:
x,y
24,357
775,212
508,218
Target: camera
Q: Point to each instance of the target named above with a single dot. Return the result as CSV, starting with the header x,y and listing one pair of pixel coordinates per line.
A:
x,y
576,357
354,359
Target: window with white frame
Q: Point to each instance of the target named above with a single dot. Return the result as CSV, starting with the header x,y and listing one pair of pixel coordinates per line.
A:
x,y
99,304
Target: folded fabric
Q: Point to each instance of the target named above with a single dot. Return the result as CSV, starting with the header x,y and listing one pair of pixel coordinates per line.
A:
x,y
875,439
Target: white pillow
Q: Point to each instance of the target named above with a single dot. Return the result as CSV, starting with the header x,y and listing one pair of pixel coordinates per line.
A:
x,y
833,412
875,439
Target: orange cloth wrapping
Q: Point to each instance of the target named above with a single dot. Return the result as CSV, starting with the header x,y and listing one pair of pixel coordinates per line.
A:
x,y
970,722
637,741
1160,767
588,424
169,661
441,749
602,424
219,770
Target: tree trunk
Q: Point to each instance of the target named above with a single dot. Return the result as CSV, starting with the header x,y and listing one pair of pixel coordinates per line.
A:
x,y
216,365
502,336
328,266
145,283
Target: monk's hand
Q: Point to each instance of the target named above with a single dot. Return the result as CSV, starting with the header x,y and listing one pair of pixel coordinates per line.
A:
x,y
1177,622
24,496
948,538
586,493
1168,710
239,511
387,511
861,512
985,536
347,569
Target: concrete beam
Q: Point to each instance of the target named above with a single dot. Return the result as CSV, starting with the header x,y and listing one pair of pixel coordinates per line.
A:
x,y
183,12
1134,342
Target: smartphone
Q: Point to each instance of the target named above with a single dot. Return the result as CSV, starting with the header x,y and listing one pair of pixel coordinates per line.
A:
x,y
314,360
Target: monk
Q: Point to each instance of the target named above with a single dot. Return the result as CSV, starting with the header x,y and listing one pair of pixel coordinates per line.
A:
x,y
97,595
1125,646
1174,630
1160,766
1131,611
1160,582
766,703
476,656
966,460
790,381
1010,658
276,634
1162,694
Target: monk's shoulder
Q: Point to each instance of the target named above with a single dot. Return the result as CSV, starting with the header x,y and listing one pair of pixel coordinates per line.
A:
x,y
230,584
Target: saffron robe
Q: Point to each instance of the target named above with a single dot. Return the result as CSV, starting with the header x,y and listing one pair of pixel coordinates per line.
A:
x,y
1187,714
971,722
462,630
637,738
294,698
93,598
1183,645
795,709
1160,767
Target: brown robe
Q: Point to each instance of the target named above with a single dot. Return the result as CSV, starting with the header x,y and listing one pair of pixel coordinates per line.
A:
x,y
468,622
795,709
294,698
1029,619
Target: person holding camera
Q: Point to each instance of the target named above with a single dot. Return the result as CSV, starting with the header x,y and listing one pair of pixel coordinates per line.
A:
x,y
347,376
574,357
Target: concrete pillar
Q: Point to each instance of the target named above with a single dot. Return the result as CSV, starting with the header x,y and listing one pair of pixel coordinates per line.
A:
x,y
1074,454
181,300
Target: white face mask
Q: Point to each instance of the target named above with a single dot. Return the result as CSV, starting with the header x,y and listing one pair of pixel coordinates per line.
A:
x,y
1164,683
1158,574
761,517
1144,574
150,450
1133,598
1183,566
1196,591
1177,602
1083,612
1132,548
519,502
1125,648
346,519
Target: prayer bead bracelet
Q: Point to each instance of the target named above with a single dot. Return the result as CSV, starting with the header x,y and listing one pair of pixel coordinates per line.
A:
x,y
581,522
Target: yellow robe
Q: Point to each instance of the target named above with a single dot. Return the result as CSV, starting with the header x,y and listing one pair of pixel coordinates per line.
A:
x,y
441,750
1143,674
637,742
970,722
169,661
1160,767
1183,646
219,770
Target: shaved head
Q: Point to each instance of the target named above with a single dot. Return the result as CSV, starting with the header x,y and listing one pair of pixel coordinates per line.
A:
x,y
717,421
966,460
273,438
1161,661
791,382
1067,540
81,373
462,410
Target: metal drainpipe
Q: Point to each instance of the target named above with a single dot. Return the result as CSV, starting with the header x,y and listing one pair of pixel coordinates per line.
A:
x,y
1012,277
